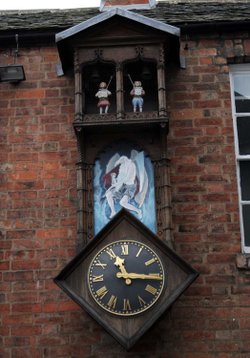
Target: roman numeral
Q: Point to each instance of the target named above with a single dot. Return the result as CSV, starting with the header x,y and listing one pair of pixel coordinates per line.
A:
x,y
99,263
112,302
150,262
101,292
151,289
97,278
111,253
124,249
126,305
141,301
138,253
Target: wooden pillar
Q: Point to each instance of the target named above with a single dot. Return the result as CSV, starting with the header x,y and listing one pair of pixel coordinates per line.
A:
x,y
79,98
161,85
119,92
163,200
85,204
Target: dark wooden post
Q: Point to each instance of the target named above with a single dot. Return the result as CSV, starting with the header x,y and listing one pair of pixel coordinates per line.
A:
x,y
161,84
119,92
79,98
85,205
163,200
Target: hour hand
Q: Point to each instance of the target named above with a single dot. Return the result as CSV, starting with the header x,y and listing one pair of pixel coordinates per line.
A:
x,y
151,276
120,263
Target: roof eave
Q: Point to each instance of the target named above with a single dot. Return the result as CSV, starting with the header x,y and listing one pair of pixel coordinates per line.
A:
x,y
63,35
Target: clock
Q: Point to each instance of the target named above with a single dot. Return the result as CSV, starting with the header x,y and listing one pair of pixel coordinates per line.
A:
x,y
126,277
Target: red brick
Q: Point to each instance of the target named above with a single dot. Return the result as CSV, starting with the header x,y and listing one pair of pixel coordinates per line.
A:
x,y
18,276
4,265
34,93
214,103
51,233
18,319
220,258
25,352
4,307
25,265
60,307
247,46
206,60
26,307
26,330
25,175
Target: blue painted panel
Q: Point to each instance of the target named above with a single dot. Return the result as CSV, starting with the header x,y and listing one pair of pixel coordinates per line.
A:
x,y
124,178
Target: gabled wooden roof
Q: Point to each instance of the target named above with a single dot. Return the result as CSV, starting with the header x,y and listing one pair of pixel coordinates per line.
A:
x,y
155,24
114,24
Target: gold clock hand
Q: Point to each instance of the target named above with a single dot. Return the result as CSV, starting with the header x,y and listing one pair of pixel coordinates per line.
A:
x,y
120,263
151,276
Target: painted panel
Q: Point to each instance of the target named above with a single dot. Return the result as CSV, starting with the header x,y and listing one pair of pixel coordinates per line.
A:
x,y
124,178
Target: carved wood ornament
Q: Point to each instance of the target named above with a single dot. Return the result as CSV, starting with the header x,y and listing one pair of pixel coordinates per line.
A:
x,y
108,58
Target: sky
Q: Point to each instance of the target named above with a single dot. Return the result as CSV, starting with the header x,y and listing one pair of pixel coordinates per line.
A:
x,y
47,4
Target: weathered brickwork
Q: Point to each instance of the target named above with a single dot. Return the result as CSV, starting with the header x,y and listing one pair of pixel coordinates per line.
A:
x,y
38,213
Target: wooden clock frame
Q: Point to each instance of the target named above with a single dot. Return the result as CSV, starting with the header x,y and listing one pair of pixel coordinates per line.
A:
x,y
121,38
126,330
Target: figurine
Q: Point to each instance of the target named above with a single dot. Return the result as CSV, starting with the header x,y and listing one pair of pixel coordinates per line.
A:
x,y
123,187
103,94
137,92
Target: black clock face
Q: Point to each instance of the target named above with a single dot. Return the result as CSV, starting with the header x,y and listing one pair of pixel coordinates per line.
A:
x,y
126,277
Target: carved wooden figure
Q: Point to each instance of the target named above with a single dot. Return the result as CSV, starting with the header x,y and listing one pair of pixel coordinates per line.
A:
x,y
137,92
103,94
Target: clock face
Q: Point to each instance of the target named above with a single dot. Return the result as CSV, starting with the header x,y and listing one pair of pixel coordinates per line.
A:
x,y
126,277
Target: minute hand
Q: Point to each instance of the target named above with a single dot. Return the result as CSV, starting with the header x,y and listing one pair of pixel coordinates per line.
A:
x,y
142,276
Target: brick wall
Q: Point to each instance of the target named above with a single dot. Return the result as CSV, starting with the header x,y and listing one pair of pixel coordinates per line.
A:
x,y
38,155
38,214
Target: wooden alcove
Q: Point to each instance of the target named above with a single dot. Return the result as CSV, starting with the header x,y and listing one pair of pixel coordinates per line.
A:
x,y
117,43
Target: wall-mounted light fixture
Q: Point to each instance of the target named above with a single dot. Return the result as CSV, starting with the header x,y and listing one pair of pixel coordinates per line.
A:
x,y
12,73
